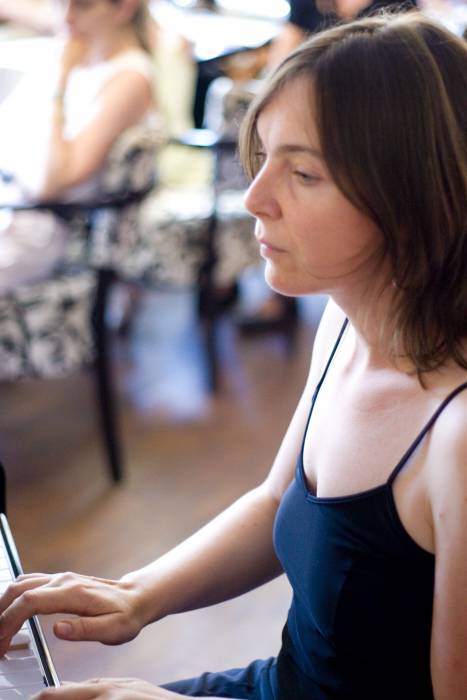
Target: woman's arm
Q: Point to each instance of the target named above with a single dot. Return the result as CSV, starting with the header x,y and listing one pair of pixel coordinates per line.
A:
x,y
37,16
234,553
121,104
229,556
448,495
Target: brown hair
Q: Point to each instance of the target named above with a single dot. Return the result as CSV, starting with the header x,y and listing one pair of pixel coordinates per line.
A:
x,y
391,111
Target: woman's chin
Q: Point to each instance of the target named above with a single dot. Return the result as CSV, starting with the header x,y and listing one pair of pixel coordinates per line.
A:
x,y
283,286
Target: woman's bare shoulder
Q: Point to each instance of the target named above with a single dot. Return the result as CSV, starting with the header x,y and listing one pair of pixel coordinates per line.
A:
x,y
447,473
448,452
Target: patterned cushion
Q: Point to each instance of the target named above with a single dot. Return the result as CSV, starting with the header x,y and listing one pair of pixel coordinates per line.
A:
x,y
163,243
45,327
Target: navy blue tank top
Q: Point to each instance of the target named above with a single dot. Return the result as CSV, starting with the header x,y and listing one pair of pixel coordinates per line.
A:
x,y
359,625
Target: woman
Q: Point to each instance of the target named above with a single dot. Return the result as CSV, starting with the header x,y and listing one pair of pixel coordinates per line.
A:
x,y
365,506
99,101
305,17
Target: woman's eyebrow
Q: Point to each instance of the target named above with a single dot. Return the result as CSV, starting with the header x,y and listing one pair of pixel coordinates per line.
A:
x,y
286,148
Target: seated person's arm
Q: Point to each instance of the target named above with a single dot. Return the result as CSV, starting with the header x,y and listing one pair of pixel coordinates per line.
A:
x,y
232,554
122,103
36,15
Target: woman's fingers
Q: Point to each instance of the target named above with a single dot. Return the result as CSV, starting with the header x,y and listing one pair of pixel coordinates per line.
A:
x,y
10,622
109,628
108,688
69,691
32,601
105,609
21,584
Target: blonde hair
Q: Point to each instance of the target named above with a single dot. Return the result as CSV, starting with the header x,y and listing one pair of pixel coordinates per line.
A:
x,y
391,96
140,24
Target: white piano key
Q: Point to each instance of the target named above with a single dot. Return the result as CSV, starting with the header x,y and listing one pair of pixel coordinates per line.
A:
x,y
19,680
21,640
20,654
21,672
21,693
14,665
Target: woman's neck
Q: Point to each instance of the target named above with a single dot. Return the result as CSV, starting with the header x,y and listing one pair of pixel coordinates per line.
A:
x,y
107,47
369,311
373,347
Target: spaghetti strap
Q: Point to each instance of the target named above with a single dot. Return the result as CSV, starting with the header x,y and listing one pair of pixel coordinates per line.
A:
x,y
328,363
409,452
322,378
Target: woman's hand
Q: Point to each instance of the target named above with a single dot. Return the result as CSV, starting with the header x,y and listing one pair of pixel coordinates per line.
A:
x,y
74,53
108,688
107,611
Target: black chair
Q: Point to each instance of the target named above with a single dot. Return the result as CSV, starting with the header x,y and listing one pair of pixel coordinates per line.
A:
x,y
2,489
227,178
212,303
81,217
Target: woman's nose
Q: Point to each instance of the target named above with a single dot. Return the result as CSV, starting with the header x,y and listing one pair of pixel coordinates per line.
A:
x,y
260,199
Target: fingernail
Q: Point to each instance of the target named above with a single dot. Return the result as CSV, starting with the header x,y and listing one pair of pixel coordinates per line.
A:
x,y
63,629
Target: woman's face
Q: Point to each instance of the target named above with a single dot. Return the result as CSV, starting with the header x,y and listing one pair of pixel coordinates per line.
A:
x,y
86,19
312,238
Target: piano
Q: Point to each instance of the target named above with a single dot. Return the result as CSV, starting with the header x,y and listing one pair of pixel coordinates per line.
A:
x,y
27,667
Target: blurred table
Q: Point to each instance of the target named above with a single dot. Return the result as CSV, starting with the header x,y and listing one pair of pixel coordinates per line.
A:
x,y
215,34
451,13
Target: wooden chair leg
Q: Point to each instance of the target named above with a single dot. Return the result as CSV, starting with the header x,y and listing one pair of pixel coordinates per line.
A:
x,y
207,307
104,386
2,489
208,329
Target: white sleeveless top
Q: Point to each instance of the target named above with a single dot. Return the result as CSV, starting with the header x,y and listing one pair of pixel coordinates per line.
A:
x,y
86,82
24,121
31,243
83,88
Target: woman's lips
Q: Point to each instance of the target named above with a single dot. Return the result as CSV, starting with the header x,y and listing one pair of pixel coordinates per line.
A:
x,y
266,248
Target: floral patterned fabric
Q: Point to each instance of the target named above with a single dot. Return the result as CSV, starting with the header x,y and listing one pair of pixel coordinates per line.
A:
x,y
163,242
45,310
45,328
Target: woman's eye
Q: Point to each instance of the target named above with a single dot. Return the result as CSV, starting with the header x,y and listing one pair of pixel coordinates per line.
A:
x,y
305,177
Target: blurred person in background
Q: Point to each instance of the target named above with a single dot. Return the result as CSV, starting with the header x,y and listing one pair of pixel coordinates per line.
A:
x,y
307,16
61,129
